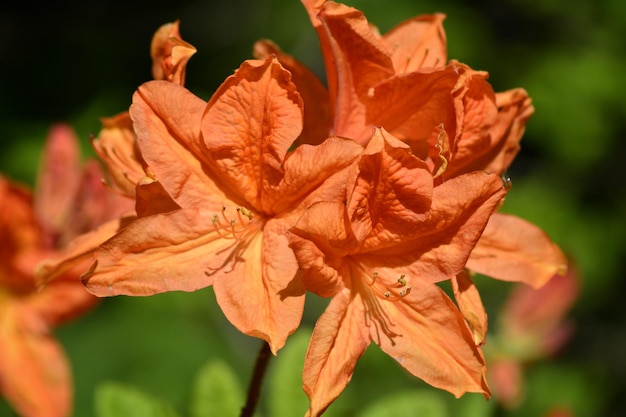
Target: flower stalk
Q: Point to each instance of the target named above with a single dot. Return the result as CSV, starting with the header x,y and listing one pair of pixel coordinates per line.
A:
x,y
254,389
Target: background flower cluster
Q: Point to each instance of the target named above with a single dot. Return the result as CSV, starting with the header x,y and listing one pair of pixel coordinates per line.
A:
x,y
75,64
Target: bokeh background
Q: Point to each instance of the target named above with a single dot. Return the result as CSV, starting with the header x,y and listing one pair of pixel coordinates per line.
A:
x,y
75,62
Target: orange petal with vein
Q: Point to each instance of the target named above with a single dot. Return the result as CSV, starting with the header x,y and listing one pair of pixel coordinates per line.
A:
x,y
512,249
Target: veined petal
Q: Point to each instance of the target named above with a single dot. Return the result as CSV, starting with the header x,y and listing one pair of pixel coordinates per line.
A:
x,y
250,123
320,239
338,341
514,110
468,298
308,175
317,113
34,372
491,124
477,114
437,247
170,54
392,187
313,8
359,62
80,249
428,336
167,120
266,301
417,43
151,198
512,249
116,145
412,106
181,250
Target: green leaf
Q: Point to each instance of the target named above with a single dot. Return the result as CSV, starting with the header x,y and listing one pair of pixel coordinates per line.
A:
x,y
408,403
216,391
286,397
115,400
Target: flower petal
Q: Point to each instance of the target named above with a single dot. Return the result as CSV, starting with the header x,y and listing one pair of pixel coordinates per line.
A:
x,y
468,298
20,234
80,249
512,249
313,173
491,124
437,247
431,340
417,43
34,372
167,119
116,145
170,54
538,313
358,62
266,301
392,187
180,250
59,179
250,123
338,341
317,113
62,300
319,239
413,106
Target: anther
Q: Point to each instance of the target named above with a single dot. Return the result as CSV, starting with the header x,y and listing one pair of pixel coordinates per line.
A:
x,y
402,281
231,227
506,181
245,212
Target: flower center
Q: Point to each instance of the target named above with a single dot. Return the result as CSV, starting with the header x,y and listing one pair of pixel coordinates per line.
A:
x,y
388,288
237,226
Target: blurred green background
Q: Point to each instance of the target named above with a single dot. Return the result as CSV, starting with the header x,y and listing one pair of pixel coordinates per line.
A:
x,y
77,61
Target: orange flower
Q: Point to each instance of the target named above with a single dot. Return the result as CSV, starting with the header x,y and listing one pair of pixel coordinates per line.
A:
x,y
446,112
227,167
34,372
116,146
379,252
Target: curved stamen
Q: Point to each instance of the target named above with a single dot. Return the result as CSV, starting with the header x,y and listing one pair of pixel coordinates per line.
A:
x,y
238,227
379,286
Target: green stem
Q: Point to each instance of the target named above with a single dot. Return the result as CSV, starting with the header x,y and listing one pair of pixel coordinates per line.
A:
x,y
256,381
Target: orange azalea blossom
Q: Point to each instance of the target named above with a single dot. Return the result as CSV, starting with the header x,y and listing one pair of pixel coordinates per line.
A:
x,y
532,325
69,199
379,252
237,189
116,146
446,112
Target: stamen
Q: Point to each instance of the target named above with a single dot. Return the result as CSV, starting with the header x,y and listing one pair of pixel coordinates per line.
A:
x,y
506,181
388,289
237,228
402,281
245,212
375,314
426,51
